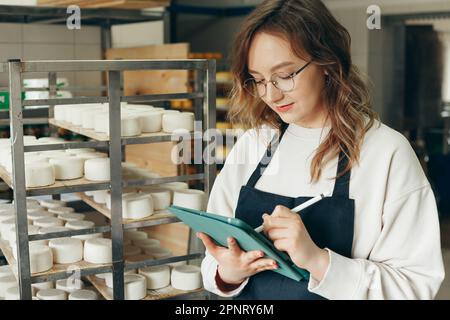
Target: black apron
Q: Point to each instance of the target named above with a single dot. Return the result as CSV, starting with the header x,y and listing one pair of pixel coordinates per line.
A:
x,y
329,223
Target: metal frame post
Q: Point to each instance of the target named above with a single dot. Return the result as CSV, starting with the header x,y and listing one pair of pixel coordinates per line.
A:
x,y
115,154
18,168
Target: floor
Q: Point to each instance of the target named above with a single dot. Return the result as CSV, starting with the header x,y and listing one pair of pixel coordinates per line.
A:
x,y
444,292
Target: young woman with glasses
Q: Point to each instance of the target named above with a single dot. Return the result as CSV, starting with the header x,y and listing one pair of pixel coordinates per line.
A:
x,y
376,236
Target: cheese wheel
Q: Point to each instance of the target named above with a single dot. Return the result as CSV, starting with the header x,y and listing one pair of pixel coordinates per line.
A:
x,y
35,287
83,294
146,243
83,224
5,215
5,227
6,282
6,207
192,199
59,112
51,203
135,286
97,169
10,236
39,174
71,216
187,277
69,285
51,294
158,252
5,270
130,126
172,122
161,199
41,258
157,276
100,196
33,216
67,168
137,206
88,118
151,121
48,222
12,293
131,251
66,250
134,235
33,206
61,210
101,122
98,250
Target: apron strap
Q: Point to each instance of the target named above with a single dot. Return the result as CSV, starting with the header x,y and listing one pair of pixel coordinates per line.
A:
x,y
267,157
341,186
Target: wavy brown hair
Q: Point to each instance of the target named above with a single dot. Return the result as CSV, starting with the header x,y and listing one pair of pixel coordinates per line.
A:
x,y
314,34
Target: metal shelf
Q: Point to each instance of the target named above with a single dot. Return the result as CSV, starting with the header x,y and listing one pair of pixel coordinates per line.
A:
x,y
204,108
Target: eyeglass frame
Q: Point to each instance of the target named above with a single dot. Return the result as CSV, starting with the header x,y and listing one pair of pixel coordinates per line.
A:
x,y
291,75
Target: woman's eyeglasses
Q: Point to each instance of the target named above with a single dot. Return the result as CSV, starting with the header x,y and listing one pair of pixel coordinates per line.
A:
x,y
281,80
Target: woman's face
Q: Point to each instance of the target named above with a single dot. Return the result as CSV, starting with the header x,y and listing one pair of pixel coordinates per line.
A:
x,y
303,105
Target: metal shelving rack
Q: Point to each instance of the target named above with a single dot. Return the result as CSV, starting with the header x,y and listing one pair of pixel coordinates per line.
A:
x,y
204,102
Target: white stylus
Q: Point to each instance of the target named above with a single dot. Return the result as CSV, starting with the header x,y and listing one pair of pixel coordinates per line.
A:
x,y
301,207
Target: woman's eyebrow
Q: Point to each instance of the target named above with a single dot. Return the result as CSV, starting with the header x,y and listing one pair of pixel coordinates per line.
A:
x,y
275,67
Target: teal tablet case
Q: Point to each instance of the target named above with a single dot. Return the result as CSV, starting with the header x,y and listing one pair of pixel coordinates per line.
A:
x,y
220,228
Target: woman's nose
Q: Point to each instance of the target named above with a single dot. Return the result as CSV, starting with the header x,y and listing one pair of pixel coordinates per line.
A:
x,y
273,94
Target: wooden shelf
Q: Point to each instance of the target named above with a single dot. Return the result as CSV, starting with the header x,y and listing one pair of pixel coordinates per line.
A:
x,y
162,215
164,293
90,133
57,268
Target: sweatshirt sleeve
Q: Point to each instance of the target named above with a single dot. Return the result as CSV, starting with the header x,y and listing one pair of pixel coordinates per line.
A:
x,y
406,260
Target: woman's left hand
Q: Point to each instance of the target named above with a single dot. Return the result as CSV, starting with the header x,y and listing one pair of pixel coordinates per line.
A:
x,y
288,233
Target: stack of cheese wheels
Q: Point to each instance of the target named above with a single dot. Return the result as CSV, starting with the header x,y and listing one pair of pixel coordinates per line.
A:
x,y
35,287
97,169
134,235
192,199
69,285
73,216
33,206
67,168
147,243
158,252
83,294
12,293
35,215
41,258
39,174
52,203
83,224
6,282
98,250
6,225
135,286
187,277
48,222
66,250
51,294
61,210
175,121
131,250
11,236
137,206
161,198
157,276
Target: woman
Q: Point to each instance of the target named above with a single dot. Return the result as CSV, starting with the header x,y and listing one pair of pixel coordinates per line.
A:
x,y
377,235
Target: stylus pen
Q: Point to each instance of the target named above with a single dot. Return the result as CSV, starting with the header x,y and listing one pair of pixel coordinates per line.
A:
x,y
301,207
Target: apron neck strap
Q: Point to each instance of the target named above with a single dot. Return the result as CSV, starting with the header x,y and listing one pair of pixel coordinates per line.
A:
x,y
267,157
341,186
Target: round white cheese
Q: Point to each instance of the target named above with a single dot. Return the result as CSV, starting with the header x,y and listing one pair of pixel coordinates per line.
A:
x,y
100,196
135,286
33,216
130,126
66,250
146,243
69,285
134,235
172,122
33,206
71,216
97,169
67,168
6,282
61,210
192,199
83,224
5,270
187,277
131,251
151,121
41,258
39,174
51,294
48,222
35,287
98,250
12,293
6,207
51,203
158,253
83,294
137,206
157,276
161,198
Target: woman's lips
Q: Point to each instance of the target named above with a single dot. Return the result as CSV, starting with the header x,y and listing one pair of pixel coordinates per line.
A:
x,y
285,108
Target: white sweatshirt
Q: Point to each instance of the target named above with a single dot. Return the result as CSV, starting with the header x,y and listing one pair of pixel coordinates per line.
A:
x,y
396,246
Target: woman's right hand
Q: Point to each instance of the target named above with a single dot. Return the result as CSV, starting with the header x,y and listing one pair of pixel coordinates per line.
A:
x,y
235,265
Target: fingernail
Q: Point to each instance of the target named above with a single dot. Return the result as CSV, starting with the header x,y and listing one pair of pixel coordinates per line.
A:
x,y
197,235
